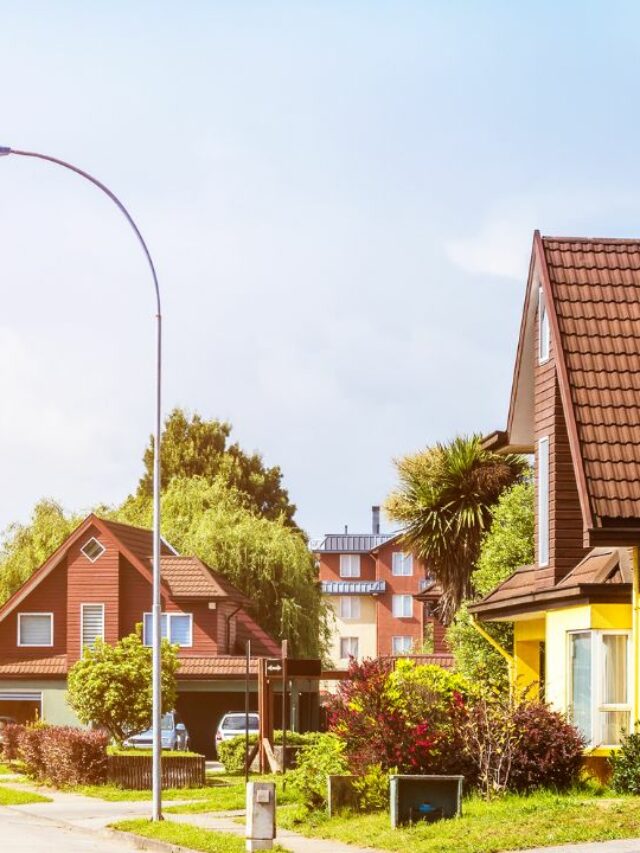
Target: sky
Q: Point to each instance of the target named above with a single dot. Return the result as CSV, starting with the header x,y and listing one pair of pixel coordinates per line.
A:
x,y
340,199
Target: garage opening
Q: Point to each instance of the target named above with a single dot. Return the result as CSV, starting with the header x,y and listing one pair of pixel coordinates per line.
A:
x,y
21,706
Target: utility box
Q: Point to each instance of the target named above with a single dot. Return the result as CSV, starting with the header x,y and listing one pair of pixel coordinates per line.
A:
x,y
261,815
429,798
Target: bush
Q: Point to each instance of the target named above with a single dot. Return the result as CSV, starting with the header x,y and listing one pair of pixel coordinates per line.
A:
x,y
11,734
231,752
324,756
625,765
373,789
62,755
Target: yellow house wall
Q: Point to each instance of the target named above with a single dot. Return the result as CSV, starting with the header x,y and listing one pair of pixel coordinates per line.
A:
x,y
364,628
527,636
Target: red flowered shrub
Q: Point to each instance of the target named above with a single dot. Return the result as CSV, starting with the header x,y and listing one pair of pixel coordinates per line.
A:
x,y
548,751
62,755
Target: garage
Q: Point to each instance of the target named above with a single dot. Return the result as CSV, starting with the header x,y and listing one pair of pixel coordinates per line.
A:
x,y
22,706
202,712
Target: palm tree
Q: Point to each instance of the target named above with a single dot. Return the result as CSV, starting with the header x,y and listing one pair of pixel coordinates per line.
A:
x,y
443,501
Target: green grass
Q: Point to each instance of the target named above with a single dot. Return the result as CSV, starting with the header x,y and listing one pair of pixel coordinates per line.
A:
x,y
193,837
507,823
117,750
232,796
5,769
12,797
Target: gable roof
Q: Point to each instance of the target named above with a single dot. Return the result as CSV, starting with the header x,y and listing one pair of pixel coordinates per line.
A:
x,y
591,288
189,577
353,543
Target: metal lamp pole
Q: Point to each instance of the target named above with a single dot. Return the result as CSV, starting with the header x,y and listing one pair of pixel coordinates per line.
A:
x,y
156,608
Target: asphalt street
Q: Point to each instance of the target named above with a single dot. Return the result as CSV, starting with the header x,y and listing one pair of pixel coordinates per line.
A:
x,y
25,833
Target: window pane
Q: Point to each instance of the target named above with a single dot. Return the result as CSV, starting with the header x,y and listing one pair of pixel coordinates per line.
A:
x,y
349,607
401,645
401,563
35,629
349,565
614,668
402,606
181,629
615,724
92,623
147,633
581,683
348,647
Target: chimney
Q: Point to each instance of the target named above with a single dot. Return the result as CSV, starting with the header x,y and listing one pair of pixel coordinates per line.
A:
x,y
346,529
375,520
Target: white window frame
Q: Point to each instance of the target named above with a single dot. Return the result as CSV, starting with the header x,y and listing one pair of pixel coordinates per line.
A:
x,y
354,607
395,599
355,640
82,607
97,557
400,561
36,645
403,637
169,614
597,670
544,330
349,560
544,497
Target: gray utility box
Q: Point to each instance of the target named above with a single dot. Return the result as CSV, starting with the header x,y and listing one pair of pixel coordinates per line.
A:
x,y
430,798
261,816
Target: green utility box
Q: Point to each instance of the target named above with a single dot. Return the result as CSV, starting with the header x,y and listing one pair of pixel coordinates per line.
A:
x,y
430,798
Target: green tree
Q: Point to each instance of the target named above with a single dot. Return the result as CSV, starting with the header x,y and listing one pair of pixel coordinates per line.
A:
x,y
193,447
110,686
508,545
444,502
26,546
266,559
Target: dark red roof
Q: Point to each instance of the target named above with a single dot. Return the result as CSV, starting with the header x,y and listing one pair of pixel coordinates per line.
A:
x,y
41,667
595,286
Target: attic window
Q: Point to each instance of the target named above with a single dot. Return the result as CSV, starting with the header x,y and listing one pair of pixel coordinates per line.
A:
x,y
544,332
93,549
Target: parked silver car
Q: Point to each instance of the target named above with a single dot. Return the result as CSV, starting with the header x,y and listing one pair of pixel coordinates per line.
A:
x,y
174,735
233,725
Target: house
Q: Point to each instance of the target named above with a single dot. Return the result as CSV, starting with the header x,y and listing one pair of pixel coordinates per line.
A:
x,y
99,584
575,405
382,597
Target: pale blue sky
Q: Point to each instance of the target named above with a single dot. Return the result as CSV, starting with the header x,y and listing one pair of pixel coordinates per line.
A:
x,y
340,197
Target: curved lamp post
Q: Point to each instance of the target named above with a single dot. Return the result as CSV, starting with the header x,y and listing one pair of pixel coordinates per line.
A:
x,y
156,608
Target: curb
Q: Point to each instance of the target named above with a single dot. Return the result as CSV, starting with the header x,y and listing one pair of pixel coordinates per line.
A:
x,y
142,843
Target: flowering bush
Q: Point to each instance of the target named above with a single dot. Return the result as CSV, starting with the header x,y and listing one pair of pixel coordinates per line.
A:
x,y
11,734
62,755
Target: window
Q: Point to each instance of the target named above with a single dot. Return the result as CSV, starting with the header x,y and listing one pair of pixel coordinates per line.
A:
x,y
349,607
401,645
348,647
402,606
35,629
401,564
598,685
92,623
544,332
543,502
93,549
349,565
176,627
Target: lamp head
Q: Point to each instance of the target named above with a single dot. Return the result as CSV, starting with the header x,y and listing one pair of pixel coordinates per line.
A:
x,y
4,150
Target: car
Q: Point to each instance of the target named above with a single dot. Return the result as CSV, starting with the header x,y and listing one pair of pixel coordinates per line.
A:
x,y
174,735
233,724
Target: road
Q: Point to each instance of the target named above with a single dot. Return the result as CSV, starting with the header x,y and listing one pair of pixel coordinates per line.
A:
x,y
24,833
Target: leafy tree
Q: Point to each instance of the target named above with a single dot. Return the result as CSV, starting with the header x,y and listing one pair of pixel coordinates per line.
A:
x,y
444,502
508,545
193,447
26,546
268,560
110,686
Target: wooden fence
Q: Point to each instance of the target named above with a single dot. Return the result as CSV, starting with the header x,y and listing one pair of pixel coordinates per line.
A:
x,y
134,771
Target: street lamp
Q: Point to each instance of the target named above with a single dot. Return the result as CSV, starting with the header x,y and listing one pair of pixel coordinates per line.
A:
x,y
156,608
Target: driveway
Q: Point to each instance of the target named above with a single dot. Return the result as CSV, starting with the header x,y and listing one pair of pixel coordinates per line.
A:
x,y
24,833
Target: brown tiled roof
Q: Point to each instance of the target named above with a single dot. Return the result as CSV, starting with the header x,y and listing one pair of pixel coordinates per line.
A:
x,y
139,540
595,285
189,577
232,666
44,667
600,566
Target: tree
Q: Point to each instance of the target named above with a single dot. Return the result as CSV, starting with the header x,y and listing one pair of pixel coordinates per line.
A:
x,y
26,546
110,686
508,545
444,502
193,447
266,559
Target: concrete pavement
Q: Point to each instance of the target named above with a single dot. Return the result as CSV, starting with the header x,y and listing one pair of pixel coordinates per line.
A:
x,y
24,833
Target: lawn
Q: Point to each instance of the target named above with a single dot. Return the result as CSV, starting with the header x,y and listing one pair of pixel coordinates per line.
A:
x,y
6,770
12,797
508,823
193,837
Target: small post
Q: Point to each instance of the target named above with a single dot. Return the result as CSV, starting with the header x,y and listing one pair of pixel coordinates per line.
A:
x,y
261,816
246,709
285,654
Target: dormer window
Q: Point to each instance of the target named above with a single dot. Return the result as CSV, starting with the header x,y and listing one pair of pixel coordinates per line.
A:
x,y
544,332
93,549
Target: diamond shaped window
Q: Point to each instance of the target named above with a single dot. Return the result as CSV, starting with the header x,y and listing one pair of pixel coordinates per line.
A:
x,y
93,549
